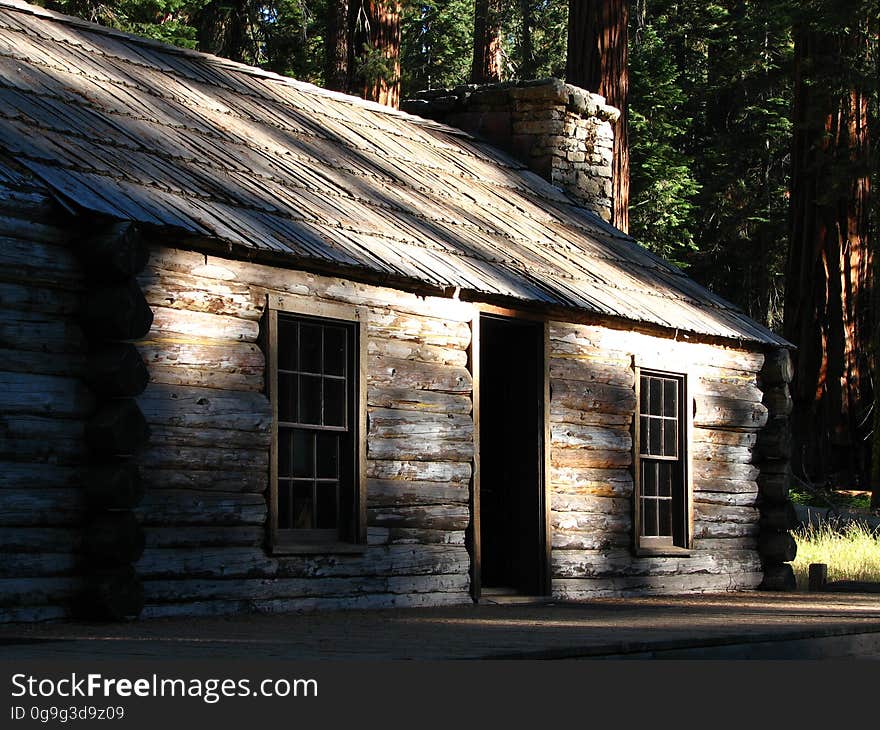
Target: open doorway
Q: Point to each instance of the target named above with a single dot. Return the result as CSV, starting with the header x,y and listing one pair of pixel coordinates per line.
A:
x,y
512,502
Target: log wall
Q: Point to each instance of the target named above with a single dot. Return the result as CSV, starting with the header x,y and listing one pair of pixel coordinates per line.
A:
x,y
43,405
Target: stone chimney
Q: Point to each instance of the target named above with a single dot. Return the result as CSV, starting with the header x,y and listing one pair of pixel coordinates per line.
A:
x,y
559,131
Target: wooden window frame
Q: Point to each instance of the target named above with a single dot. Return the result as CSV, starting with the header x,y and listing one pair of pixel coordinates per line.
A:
x,y
647,546
282,542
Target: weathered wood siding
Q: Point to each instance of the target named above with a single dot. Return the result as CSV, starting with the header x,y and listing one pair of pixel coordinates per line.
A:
x,y
43,405
206,468
591,411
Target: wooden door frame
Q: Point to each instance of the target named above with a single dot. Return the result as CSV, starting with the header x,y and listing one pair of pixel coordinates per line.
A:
x,y
474,366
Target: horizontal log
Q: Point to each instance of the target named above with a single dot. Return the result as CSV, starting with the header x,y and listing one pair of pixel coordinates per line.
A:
x,y
37,332
31,261
430,517
447,472
595,397
597,482
40,539
777,547
721,452
419,448
778,578
42,300
589,438
30,476
778,516
217,356
413,536
393,423
774,487
115,485
588,540
646,585
418,400
72,364
621,562
392,492
33,614
223,438
115,312
117,427
726,543
203,324
27,205
778,401
112,538
561,414
774,440
725,513
112,594
205,378
112,252
162,456
406,350
116,370
46,507
175,405
38,438
596,523
727,413
723,530
592,371
45,395
743,439
591,503
207,480
394,373
301,283
710,386
736,499
201,294
725,486
389,324
17,592
589,459
169,507
194,536
37,565
778,368
708,472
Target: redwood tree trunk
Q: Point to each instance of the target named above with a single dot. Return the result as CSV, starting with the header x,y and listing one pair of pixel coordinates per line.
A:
x,y
375,50
597,61
488,62
828,282
336,46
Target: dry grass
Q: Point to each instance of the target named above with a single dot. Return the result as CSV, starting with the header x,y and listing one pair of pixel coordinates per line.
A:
x,y
852,552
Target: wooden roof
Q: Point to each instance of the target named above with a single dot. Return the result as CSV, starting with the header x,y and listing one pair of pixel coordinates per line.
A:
x,y
138,130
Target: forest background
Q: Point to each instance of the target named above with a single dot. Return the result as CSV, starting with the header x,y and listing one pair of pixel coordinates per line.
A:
x,y
746,145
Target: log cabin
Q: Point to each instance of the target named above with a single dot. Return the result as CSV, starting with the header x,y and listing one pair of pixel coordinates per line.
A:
x,y
266,347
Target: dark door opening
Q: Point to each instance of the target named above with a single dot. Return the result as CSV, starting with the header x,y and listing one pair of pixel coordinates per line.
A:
x,y
512,527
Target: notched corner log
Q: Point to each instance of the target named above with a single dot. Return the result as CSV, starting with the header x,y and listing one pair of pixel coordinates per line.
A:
x,y
118,427
116,312
778,578
776,547
114,486
117,369
114,251
780,517
778,368
113,594
113,539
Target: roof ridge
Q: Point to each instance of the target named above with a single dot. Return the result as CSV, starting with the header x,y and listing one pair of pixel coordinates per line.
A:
x,y
219,61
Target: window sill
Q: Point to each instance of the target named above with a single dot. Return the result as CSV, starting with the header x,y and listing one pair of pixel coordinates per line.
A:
x,y
318,548
663,552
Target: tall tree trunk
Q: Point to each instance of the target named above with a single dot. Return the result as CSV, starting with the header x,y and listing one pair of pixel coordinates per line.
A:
x,y
488,63
527,69
374,51
829,277
336,46
597,61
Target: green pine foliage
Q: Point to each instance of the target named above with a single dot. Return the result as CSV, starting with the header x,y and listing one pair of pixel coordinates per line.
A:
x,y
436,44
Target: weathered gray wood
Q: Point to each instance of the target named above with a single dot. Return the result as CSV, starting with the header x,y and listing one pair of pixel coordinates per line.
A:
x,y
203,324
727,486
113,538
419,448
718,530
561,414
598,482
201,294
588,540
46,507
30,476
118,427
727,413
164,456
394,373
774,487
621,562
38,363
721,452
725,513
726,543
224,438
39,300
591,503
194,536
399,423
778,578
406,350
40,539
595,522
207,480
777,547
736,499
169,507
431,517
743,439
35,565
113,594
117,485
774,440
778,516
229,357
38,332
711,386
389,324
418,400
596,397
707,472
414,536
393,492
778,401
116,312
174,405
204,378
46,395
592,371
39,438
592,438
429,471
116,370
777,368
818,576
19,592
645,585
112,252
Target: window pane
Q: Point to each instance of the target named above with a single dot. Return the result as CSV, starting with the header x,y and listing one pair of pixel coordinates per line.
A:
x,y
670,398
328,455
649,517
334,351
284,503
334,402
286,397
644,430
310,399
285,452
664,517
655,442
644,387
665,471
310,348
326,512
303,508
303,454
649,478
670,438
287,343
656,397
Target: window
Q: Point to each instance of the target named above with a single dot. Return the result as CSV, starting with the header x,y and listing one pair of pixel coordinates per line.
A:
x,y
316,460
661,466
